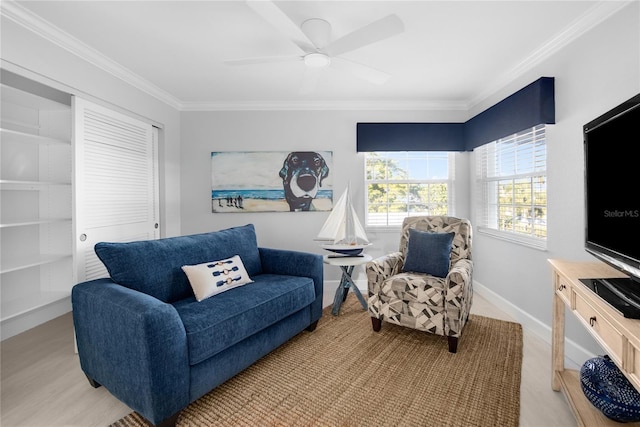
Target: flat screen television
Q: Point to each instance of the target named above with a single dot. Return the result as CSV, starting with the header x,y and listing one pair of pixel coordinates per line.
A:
x,y
612,197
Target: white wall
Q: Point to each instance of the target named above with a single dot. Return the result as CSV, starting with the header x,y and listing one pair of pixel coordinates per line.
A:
x,y
204,132
593,74
26,53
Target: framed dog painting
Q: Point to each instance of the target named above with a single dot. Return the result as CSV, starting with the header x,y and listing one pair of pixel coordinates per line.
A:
x,y
271,181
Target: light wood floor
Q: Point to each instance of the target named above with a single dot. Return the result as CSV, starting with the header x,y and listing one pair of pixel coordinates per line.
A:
x,y
42,384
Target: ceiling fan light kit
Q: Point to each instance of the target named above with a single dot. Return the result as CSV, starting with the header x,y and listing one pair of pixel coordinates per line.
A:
x,y
317,60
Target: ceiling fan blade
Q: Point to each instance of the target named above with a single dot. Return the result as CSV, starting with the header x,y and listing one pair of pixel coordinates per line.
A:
x,y
281,22
361,71
376,31
263,60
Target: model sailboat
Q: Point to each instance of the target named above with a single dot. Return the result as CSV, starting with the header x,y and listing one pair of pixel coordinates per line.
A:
x,y
342,232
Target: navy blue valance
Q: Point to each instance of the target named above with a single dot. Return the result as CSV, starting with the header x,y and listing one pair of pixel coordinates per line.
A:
x,y
530,106
410,137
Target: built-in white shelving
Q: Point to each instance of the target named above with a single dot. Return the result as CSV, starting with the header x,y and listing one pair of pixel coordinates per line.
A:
x,y
10,264
24,305
27,138
7,184
36,258
35,221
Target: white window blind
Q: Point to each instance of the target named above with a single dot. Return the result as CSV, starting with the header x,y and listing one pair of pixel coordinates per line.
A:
x,y
511,186
407,183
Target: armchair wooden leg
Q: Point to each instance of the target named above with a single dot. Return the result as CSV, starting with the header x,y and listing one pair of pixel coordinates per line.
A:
x,y
376,323
453,344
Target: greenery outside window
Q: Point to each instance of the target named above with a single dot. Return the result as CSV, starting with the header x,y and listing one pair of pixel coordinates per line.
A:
x,y
406,183
511,187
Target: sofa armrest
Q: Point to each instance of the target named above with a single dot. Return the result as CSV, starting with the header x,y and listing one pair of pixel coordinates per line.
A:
x,y
295,263
458,294
380,269
459,276
133,344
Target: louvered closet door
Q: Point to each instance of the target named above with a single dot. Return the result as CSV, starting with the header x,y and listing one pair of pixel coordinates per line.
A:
x,y
116,182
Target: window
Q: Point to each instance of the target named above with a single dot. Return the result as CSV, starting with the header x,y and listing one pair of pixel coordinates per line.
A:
x,y
406,183
511,185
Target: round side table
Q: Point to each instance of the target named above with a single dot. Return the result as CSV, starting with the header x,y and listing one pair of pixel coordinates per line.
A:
x,y
346,264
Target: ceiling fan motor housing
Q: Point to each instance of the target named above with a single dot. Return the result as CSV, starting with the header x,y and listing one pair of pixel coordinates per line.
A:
x,y
318,31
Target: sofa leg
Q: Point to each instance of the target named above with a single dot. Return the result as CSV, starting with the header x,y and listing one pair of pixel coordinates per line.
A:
x,y
94,383
169,422
453,344
376,323
312,327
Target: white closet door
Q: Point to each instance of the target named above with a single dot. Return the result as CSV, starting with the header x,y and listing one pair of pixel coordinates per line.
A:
x,y
116,185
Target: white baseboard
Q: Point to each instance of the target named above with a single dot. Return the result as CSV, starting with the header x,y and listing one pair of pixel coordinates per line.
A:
x,y
575,354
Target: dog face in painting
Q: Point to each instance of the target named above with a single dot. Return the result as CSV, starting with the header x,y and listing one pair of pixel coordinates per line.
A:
x,y
302,174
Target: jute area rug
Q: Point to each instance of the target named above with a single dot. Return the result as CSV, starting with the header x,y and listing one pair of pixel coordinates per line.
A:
x,y
344,374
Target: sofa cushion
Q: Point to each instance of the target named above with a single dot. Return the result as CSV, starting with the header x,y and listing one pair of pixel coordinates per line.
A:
x,y
154,266
415,287
214,277
217,323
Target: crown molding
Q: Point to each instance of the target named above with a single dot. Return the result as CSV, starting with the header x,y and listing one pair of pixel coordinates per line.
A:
x,y
595,15
32,22
374,105
592,17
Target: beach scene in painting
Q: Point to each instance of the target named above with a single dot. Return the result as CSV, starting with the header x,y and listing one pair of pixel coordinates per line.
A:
x,y
271,181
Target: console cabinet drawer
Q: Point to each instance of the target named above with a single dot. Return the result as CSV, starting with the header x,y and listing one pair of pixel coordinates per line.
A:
x,y
633,366
563,289
602,330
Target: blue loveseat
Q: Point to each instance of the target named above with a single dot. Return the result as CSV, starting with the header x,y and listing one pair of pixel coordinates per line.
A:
x,y
144,336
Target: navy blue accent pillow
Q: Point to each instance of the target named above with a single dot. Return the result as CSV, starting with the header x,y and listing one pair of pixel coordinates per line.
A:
x,y
428,252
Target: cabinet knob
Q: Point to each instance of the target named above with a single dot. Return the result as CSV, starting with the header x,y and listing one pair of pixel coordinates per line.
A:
x,y
561,287
592,320
83,237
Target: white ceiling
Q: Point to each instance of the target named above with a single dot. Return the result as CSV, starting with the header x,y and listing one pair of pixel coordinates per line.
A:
x,y
451,53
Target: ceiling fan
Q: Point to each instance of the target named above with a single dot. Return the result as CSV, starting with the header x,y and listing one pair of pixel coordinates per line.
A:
x,y
313,38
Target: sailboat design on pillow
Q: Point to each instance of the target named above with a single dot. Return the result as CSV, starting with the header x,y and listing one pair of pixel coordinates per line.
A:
x,y
342,231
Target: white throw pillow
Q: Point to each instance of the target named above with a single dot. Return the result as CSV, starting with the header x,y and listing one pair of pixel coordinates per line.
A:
x,y
211,278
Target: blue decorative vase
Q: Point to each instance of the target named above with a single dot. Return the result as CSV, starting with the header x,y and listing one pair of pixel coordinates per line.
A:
x,y
609,390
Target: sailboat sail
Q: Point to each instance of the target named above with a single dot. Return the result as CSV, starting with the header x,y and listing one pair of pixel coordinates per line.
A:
x,y
342,228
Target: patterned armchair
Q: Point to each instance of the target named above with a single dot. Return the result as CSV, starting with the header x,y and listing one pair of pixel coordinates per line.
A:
x,y
439,305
